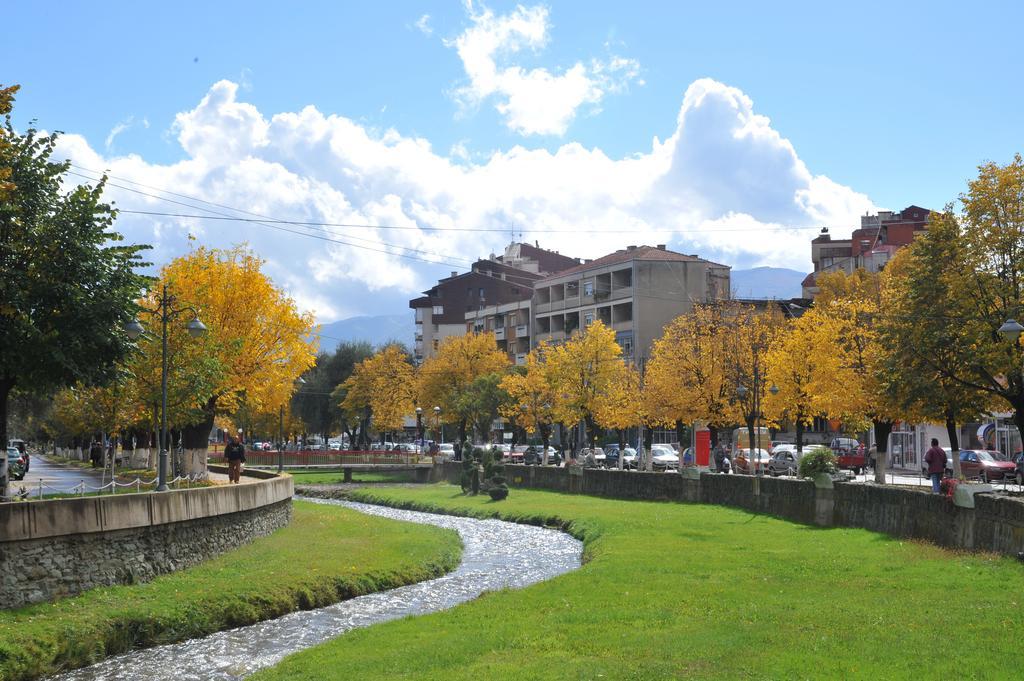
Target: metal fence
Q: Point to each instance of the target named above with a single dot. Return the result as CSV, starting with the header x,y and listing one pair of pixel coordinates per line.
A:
x,y
325,457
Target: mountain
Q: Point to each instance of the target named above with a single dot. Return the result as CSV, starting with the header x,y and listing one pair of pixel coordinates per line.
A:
x,y
767,282
375,330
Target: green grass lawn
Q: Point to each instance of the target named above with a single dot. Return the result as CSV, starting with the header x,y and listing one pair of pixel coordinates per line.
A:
x,y
327,477
684,590
326,554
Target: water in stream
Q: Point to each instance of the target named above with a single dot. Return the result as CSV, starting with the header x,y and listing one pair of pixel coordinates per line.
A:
x,y
495,555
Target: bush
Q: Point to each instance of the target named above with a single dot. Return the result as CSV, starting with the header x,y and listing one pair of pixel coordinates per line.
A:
x,y
818,460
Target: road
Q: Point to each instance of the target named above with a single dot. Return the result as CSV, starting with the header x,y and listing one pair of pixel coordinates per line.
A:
x,y
55,477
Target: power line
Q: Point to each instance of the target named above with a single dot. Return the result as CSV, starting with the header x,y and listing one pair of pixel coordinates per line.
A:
x,y
273,223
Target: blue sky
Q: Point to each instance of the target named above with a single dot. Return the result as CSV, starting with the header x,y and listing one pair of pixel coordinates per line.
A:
x,y
893,103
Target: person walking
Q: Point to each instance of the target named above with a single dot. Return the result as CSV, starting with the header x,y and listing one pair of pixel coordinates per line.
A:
x,y
936,460
235,454
24,454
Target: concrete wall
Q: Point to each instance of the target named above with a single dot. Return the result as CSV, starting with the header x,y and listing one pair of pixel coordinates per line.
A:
x,y
995,524
61,547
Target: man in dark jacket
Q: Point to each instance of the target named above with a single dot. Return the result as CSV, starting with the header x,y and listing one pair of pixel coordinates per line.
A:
x,y
936,460
235,454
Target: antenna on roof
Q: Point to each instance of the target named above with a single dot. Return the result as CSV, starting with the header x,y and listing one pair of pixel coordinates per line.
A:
x,y
824,230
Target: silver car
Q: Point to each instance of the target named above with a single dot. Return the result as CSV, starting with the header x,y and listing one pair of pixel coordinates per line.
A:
x,y
783,462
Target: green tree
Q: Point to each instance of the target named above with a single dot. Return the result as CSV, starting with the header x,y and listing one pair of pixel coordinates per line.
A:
x,y
480,403
314,403
68,284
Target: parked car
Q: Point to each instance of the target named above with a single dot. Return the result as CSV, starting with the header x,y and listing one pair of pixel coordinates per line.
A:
x,y
783,462
979,463
611,453
664,457
849,454
742,461
446,450
778,443
15,464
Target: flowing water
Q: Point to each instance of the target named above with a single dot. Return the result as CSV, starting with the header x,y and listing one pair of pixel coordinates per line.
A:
x,y
495,555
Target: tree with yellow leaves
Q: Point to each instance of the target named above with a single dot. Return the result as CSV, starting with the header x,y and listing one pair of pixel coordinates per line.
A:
x,y
257,343
691,374
791,365
383,387
458,362
532,397
749,333
583,370
622,406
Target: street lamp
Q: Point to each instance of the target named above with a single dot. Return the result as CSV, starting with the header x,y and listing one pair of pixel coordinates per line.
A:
x,y
1011,330
440,424
419,430
195,329
742,391
280,429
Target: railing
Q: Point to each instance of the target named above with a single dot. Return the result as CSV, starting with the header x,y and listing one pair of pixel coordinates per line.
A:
x,y
326,457
39,487
523,330
499,333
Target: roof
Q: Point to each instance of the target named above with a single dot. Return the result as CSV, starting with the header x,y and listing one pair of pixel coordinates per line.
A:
x,y
650,253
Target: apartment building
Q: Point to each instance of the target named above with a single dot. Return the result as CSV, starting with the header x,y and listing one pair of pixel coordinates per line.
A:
x,y
871,246
491,295
635,291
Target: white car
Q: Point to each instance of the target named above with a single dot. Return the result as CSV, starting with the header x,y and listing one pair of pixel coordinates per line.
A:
x,y
446,450
664,457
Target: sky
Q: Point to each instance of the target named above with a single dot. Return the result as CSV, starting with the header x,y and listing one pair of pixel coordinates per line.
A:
x,y
421,136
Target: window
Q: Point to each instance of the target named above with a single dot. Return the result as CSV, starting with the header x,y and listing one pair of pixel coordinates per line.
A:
x,y
438,309
572,289
588,318
481,293
435,344
515,289
588,288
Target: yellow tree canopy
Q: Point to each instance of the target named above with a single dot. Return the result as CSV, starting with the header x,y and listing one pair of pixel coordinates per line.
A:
x,y
849,356
748,336
385,384
89,409
622,405
532,394
459,361
583,370
257,342
690,376
791,365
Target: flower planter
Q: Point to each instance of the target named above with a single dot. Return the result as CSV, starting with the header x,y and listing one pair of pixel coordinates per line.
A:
x,y
823,481
963,495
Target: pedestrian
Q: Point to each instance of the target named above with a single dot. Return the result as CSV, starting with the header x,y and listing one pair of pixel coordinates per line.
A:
x,y
24,453
235,454
936,460
95,453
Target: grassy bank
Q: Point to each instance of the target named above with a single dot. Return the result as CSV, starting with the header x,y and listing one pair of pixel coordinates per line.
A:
x,y
329,477
678,591
325,555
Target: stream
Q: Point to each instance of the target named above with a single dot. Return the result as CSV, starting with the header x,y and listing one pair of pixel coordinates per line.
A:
x,y
495,555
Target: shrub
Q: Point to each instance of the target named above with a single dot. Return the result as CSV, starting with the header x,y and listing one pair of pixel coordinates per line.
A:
x,y
818,460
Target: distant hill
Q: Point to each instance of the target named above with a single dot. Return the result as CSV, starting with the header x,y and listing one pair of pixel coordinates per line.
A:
x,y
375,330
767,282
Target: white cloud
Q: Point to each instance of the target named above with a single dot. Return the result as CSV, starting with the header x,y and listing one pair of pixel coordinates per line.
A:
x,y
725,184
535,101
117,130
423,24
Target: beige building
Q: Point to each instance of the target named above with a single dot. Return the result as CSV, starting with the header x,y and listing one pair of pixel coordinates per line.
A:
x,y
635,292
494,295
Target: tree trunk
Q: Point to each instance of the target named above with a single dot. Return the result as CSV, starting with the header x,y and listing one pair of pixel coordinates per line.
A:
x,y
545,438
713,433
648,441
591,430
5,390
954,443
882,430
195,440
799,436
621,432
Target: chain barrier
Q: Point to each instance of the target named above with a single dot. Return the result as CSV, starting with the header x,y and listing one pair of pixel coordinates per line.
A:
x,y
138,483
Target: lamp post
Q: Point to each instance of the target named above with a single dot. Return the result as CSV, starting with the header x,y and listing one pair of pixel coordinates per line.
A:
x,y
419,431
195,328
280,429
440,424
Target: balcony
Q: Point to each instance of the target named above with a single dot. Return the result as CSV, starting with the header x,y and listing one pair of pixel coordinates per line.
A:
x,y
499,333
520,358
522,331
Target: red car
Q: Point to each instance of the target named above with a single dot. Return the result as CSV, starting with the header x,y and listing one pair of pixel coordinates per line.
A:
x,y
849,454
978,463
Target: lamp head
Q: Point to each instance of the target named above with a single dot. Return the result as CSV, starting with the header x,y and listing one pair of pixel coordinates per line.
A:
x,y
419,411
134,329
196,328
1011,330
774,390
741,391
437,410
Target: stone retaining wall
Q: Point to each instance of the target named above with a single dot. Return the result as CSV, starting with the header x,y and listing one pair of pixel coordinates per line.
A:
x,y
61,547
995,524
